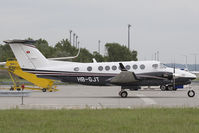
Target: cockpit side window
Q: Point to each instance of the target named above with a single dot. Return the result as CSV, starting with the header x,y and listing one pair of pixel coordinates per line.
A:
x,y
155,66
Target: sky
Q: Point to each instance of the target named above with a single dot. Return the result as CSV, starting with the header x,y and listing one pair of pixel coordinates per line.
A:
x,y
168,26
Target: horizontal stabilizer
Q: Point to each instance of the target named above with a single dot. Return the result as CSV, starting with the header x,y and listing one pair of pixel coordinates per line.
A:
x,y
2,63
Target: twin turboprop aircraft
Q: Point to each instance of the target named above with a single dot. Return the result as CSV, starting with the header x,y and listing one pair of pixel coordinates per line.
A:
x,y
129,74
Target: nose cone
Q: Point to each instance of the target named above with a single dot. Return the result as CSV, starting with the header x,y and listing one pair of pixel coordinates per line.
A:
x,y
193,76
185,74
190,75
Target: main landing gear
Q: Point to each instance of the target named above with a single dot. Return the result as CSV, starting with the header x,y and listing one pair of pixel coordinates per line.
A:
x,y
123,93
167,88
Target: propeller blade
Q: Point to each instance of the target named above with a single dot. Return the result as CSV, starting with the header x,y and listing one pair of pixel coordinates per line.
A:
x,y
174,70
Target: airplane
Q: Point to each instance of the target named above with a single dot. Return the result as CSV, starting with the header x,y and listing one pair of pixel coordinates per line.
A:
x,y
130,75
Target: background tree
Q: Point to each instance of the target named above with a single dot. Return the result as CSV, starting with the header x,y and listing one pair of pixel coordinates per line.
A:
x,y
45,49
98,57
84,56
63,48
5,52
116,52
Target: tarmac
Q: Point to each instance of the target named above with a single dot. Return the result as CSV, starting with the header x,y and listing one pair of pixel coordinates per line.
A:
x,y
95,97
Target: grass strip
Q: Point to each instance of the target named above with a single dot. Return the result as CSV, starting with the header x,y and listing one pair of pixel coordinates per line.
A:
x,y
145,120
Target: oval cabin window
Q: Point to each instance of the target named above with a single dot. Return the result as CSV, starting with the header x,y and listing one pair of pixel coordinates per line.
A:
x,y
107,68
142,67
127,67
89,68
76,69
114,67
135,67
100,68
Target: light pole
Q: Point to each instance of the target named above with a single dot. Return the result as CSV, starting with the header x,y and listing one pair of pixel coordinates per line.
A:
x,y
99,46
185,61
158,56
129,26
76,40
73,39
70,36
195,55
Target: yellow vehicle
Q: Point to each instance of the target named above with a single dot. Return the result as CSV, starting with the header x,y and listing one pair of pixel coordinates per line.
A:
x,y
14,70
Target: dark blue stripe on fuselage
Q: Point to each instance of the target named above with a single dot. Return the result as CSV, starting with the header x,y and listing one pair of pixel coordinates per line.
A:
x,y
103,79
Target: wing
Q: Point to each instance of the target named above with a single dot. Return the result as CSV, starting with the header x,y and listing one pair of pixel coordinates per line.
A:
x,y
124,76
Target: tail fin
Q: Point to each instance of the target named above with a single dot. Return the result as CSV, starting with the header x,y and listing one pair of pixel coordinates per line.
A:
x,y
27,55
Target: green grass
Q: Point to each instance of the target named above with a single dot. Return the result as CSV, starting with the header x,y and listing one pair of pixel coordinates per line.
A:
x,y
146,120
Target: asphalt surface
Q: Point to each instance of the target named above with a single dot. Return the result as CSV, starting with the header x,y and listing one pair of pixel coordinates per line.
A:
x,y
94,97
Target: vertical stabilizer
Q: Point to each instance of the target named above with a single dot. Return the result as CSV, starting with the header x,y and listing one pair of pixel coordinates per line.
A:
x,y
27,55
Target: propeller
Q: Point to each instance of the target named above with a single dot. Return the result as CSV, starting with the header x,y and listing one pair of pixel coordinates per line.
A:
x,y
174,71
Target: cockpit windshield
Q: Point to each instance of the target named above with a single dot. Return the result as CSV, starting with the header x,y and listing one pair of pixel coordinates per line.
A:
x,y
162,66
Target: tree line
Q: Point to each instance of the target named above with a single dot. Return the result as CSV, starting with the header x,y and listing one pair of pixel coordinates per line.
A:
x,y
114,52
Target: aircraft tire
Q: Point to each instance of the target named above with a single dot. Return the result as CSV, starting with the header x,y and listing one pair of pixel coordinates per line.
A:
x,y
44,89
191,93
11,89
123,94
163,87
120,93
170,88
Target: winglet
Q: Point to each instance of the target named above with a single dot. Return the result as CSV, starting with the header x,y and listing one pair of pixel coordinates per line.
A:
x,y
122,67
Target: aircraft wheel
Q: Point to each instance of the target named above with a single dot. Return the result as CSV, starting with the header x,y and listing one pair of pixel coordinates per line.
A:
x,y
123,94
120,93
44,89
191,93
163,87
11,89
170,88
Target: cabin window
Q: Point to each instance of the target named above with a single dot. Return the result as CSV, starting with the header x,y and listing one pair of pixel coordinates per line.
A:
x,y
107,68
155,66
142,66
76,69
114,67
89,68
135,67
127,67
100,68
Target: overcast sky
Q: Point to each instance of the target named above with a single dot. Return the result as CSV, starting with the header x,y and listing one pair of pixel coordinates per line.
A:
x,y
168,26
